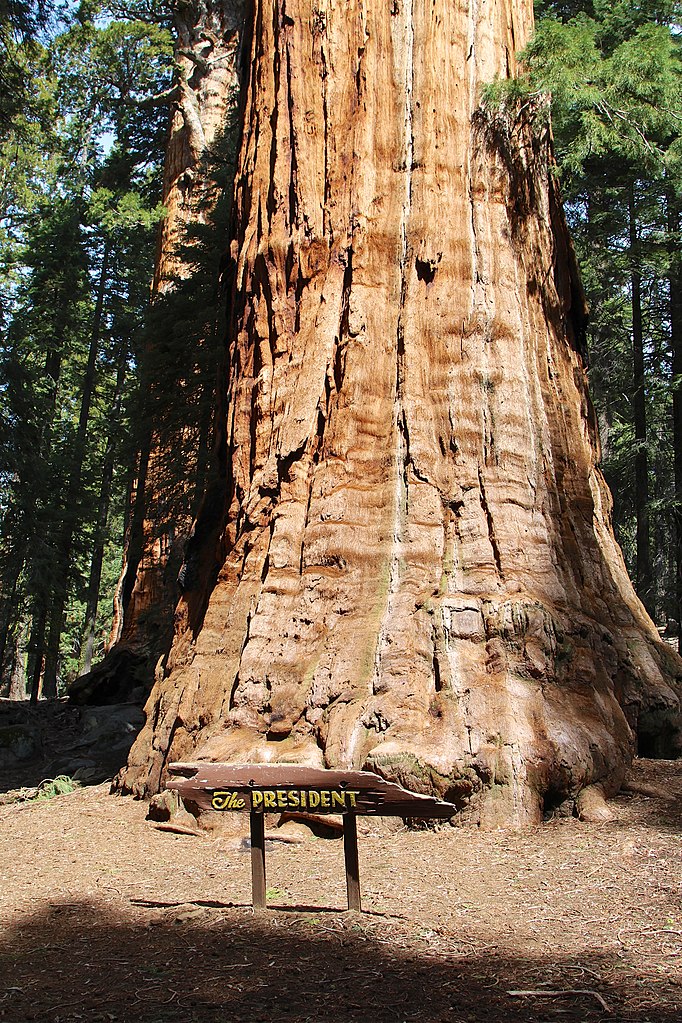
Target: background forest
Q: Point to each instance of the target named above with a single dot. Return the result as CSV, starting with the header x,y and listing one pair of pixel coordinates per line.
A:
x,y
96,356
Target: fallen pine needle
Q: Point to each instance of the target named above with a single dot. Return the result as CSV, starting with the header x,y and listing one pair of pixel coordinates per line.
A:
x,y
558,994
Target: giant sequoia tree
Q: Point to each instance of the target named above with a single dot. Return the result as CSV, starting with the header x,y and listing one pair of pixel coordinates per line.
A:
x,y
406,562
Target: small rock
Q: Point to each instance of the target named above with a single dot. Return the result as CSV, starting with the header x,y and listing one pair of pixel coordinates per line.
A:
x,y
167,808
163,806
16,742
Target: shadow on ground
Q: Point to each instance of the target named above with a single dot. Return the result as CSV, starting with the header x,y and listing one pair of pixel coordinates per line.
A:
x,y
53,737
199,964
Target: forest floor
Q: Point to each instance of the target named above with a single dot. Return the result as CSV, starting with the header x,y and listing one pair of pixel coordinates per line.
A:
x,y
108,917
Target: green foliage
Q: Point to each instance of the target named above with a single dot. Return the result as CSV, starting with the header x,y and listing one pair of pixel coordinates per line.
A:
x,y
62,785
92,372
21,25
79,206
276,893
614,74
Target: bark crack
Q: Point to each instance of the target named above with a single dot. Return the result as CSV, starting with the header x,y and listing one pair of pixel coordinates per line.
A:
x,y
439,638
311,480
491,525
339,367
326,227
473,21
252,612
271,204
293,174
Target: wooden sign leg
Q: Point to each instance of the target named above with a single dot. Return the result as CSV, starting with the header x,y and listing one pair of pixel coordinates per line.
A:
x,y
257,860
350,852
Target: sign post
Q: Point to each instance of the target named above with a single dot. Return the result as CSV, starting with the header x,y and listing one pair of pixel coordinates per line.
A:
x,y
257,860
350,855
258,789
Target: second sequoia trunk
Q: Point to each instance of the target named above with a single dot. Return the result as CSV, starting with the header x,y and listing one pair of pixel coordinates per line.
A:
x,y
411,566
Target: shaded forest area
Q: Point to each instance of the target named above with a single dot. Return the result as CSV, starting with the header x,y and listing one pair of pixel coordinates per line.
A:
x,y
109,368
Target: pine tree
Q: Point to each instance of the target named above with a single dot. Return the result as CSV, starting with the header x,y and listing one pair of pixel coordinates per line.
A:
x,y
74,305
614,75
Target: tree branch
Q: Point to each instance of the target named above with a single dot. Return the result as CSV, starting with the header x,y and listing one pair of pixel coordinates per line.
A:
x,y
161,98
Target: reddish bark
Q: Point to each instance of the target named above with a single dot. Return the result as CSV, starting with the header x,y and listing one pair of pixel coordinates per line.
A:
x,y
416,571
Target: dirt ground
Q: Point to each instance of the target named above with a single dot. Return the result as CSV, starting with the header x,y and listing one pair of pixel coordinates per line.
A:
x,y
105,917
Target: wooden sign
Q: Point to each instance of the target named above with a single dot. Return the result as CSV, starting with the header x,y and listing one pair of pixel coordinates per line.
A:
x,y
280,788
258,789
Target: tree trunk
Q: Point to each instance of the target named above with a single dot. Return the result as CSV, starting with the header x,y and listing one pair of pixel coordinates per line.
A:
x,y
97,560
17,682
8,602
644,577
207,55
36,651
675,297
410,566
64,545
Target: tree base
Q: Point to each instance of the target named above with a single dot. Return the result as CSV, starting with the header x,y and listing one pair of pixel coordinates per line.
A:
x,y
529,718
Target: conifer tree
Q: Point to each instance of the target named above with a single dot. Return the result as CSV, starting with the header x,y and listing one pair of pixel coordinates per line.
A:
x,y
615,79
81,207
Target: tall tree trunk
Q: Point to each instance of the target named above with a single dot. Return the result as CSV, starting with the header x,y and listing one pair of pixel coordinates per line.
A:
x,y
36,651
64,546
17,683
412,568
675,297
644,576
95,577
9,595
208,53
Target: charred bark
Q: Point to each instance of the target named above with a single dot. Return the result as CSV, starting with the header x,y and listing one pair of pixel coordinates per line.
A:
x,y
408,564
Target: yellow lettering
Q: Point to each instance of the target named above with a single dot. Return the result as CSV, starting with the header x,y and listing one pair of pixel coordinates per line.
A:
x,y
338,799
269,800
282,801
294,798
256,800
220,800
351,796
325,799
304,796
313,800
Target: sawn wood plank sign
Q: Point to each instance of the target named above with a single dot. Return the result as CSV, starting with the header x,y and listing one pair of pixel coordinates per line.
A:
x,y
276,788
288,788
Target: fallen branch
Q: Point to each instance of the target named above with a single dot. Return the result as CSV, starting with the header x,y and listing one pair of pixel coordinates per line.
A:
x,y
179,829
560,993
643,789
